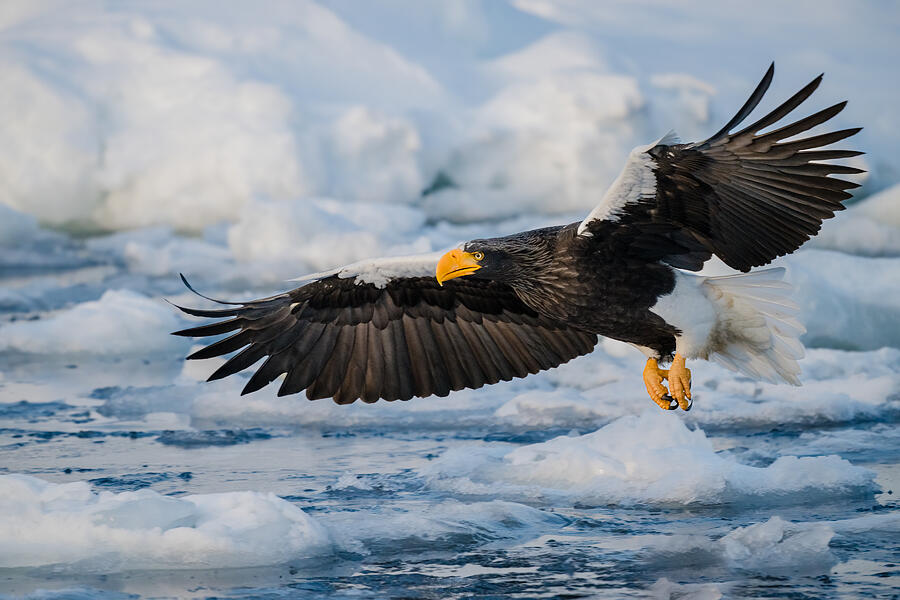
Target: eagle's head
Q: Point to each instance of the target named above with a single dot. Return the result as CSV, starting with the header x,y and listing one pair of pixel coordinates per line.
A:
x,y
505,259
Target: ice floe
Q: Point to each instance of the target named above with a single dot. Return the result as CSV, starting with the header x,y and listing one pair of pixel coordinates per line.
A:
x,y
120,322
648,459
45,524
185,116
70,527
447,522
870,227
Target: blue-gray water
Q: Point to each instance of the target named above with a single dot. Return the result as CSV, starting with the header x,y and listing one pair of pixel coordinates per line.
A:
x,y
576,551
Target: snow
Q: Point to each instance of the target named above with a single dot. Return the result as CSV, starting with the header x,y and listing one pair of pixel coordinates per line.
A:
x,y
137,115
320,234
69,526
15,226
845,301
635,460
870,227
767,545
120,322
44,524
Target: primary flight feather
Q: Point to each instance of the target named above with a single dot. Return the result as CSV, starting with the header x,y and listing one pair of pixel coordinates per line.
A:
x,y
499,308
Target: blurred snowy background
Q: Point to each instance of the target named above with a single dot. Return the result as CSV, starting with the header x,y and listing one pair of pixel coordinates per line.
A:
x,y
246,143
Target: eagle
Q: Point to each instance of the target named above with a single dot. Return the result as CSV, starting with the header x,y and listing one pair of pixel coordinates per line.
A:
x,y
493,309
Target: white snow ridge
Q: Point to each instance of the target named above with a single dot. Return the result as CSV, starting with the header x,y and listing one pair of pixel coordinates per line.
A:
x,y
649,459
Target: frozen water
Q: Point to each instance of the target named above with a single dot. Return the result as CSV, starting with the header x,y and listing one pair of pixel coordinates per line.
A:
x,y
243,145
648,459
120,322
67,524
185,116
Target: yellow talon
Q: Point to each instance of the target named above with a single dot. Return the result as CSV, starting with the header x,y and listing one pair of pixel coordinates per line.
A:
x,y
679,377
653,380
680,382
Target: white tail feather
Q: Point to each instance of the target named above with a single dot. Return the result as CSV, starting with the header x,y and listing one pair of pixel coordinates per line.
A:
x,y
757,329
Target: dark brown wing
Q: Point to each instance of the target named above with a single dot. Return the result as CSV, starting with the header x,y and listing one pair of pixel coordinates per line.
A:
x,y
339,339
747,197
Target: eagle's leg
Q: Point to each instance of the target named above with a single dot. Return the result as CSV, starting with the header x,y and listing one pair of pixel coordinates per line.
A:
x,y
680,382
653,378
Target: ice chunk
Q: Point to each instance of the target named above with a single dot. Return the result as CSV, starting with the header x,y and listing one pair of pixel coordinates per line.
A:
x,y
773,546
159,251
15,226
846,301
649,459
463,523
554,143
883,207
556,52
377,157
120,322
320,234
44,524
669,590
870,227
181,116
70,527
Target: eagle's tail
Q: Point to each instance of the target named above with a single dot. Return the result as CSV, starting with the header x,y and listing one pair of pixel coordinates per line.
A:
x,y
757,328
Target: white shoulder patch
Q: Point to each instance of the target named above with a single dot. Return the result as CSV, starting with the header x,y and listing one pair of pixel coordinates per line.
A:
x,y
636,181
379,271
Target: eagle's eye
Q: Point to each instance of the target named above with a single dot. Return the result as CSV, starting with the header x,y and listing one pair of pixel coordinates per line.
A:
x,y
478,255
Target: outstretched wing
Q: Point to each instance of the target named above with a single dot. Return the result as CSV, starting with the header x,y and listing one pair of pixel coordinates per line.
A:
x,y
378,335
747,197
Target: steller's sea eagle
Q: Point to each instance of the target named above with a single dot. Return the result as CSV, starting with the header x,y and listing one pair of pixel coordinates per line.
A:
x,y
498,308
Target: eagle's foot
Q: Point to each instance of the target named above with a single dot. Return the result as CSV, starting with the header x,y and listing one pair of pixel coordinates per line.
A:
x,y
653,378
680,382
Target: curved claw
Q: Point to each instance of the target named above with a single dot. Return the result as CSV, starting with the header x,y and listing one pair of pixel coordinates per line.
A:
x,y
653,380
678,393
680,382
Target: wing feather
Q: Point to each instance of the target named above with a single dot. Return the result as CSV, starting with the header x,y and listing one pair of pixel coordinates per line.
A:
x,y
747,197
339,338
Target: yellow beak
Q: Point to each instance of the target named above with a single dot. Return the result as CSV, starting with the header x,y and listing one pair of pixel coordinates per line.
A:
x,y
455,263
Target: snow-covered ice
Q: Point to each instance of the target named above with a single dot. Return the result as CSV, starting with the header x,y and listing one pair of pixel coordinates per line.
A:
x,y
646,459
69,525
120,322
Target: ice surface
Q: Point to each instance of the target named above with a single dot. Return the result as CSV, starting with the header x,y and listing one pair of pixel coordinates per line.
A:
x,y
847,301
664,589
137,115
775,546
771,545
450,521
68,526
838,387
120,322
320,234
43,524
646,459
870,227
